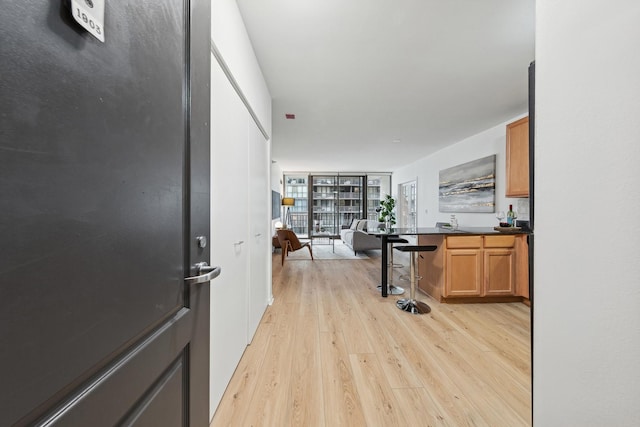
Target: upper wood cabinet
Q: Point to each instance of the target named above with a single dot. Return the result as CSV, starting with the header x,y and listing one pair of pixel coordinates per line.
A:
x,y
518,158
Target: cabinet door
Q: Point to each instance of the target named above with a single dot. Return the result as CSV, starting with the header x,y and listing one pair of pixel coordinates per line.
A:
x,y
229,230
260,224
499,272
463,273
518,158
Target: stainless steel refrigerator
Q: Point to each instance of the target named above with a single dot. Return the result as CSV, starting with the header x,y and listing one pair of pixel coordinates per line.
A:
x,y
532,129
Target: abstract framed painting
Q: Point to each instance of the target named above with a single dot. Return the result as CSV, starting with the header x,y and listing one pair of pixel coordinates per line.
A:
x,y
469,187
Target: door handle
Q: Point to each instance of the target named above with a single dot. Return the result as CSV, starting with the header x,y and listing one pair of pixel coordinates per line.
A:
x,y
204,273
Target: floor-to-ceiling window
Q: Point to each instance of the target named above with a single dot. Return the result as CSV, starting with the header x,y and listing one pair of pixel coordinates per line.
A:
x,y
350,199
325,202
378,186
297,187
324,205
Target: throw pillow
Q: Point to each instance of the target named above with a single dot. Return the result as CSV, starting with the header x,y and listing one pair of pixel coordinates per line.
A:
x,y
362,225
354,224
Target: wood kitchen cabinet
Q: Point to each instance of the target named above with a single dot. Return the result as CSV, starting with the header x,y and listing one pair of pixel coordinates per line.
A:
x,y
475,268
463,267
499,266
518,158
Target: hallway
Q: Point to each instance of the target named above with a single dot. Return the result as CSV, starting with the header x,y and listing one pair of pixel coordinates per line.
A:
x,y
331,352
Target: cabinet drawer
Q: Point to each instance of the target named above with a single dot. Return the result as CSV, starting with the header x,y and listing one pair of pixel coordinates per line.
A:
x,y
499,241
464,242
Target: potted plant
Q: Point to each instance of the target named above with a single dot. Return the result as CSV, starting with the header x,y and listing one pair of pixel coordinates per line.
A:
x,y
385,211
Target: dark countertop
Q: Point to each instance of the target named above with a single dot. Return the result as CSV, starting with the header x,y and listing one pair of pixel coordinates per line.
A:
x,y
466,231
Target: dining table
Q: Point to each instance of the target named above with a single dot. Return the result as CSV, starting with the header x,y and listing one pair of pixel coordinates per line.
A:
x,y
385,233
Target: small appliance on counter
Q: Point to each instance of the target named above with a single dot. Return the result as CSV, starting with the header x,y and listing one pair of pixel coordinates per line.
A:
x,y
523,224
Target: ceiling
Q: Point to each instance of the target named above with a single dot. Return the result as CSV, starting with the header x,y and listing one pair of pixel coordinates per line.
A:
x,y
377,84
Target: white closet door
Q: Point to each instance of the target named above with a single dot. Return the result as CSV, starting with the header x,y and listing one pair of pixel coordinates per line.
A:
x,y
229,231
260,237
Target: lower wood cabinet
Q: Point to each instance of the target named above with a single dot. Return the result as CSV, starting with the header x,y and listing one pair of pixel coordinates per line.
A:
x,y
474,267
463,264
464,273
499,272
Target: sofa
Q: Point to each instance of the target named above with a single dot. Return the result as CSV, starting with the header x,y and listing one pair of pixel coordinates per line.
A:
x,y
356,238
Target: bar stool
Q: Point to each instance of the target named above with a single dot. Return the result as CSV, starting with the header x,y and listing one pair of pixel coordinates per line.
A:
x,y
392,290
410,304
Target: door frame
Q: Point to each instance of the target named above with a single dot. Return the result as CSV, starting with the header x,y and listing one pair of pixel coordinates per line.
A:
x,y
198,203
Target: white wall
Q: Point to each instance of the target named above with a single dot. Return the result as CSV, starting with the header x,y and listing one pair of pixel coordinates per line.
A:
x,y
426,170
586,369
229,36
276,178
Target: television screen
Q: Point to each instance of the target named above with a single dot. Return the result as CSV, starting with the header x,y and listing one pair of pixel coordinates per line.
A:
x,y
275,204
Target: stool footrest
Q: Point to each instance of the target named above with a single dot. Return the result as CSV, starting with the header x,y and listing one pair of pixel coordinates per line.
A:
x,y
396,240
416,248
408,277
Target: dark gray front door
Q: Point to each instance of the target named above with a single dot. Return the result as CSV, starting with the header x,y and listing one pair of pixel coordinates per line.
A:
x,y
104,188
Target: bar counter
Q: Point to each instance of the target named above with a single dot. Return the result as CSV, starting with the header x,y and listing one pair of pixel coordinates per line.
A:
x,y
384,235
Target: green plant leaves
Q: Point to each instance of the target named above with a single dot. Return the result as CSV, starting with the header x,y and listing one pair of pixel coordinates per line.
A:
x,y
386,213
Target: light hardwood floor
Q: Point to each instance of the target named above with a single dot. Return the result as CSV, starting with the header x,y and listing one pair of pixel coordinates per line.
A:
x,y
331,352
